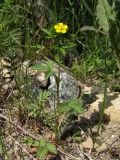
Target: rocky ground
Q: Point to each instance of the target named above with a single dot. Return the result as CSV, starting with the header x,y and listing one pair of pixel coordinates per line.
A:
x,y
77,140
107,145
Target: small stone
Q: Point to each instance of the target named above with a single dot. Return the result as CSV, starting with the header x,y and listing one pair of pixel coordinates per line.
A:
x,y
7,80
113,136
88,143
5,73
41,79
4,63
26,64
32,72
5,87
69,88
15,92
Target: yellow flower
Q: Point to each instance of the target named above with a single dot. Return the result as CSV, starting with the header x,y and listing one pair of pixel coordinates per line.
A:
x,y
61,28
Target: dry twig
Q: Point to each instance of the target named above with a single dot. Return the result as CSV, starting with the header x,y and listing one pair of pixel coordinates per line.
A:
x,y
17,126
23,148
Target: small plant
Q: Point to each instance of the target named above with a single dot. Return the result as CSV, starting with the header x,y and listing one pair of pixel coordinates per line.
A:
x,y
36,109
43,147
60,44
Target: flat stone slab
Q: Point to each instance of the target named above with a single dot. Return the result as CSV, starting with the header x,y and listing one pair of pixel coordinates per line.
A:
x,y
112,106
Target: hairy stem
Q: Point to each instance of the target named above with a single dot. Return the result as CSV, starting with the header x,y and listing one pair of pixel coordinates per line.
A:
x,y
104,101
58,100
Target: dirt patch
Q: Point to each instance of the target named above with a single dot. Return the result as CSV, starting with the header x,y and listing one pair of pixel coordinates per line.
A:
x,y
112,108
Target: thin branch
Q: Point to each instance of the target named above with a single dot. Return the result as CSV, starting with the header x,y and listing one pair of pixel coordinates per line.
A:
x,y
23,148
67,154
17,126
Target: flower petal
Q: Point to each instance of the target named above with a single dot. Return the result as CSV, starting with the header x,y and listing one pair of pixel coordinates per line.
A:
x,y
60,24
65,27
63,31
61,28
58,30
55,26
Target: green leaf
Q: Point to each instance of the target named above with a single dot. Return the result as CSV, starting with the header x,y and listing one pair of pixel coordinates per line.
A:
x,y
47,68
45,147
50,70
56,47
68,45
73,106
50,33
36,143
105,13
42,143
62,47
43,97
42,152
50,64
51,148
87,28
46,31
29,141
40,67
76,106
62,50
64,108
37,46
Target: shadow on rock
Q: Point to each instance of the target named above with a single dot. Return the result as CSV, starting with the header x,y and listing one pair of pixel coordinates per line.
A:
x,y
88,99
109,100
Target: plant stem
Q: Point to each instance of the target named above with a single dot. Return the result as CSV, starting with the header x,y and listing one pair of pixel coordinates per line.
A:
x,y
58,100
102,108
104,101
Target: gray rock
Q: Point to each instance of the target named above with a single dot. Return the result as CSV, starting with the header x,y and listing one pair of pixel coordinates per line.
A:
x,y
69,88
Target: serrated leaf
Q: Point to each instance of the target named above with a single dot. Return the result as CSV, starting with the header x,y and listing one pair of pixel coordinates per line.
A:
x,y
72,105
50,64
36,143
50,70
50,33
69,45
43,97
40,67
56,47
76,106
47,68
42,152
64,107
42,143
48,74
29,141
51,148
46,31
78,109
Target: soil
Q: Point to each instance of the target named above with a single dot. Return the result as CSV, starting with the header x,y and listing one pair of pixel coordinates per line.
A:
x,y
77,140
